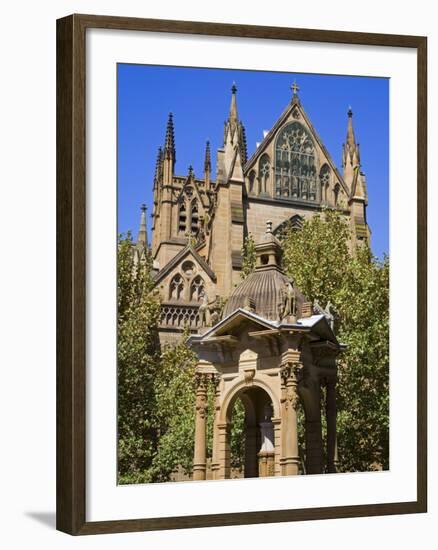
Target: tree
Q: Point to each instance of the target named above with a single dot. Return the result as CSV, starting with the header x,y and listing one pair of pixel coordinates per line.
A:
x,y
248,257
137,364
317,257
175,398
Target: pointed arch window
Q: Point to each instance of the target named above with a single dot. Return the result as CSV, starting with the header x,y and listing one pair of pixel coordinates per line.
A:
x,y
176,287
295,223
324,181
264,173
336,194
196,289
252,177
182,226
295,164
194,217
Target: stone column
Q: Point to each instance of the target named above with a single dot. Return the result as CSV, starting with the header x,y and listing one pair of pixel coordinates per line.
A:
x,y
291,374
223,450
314,454
215,458
277,445
200,458
330,410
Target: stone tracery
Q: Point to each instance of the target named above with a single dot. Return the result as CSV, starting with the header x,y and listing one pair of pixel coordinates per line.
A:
x,y
295,164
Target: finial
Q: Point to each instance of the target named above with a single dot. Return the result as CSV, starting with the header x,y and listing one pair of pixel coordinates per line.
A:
x,y
142,239
269,226
190,170
169,144
350,112
207,160
233,88
295,88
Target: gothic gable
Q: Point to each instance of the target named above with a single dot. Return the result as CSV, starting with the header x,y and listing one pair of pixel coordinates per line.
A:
x,y
291,163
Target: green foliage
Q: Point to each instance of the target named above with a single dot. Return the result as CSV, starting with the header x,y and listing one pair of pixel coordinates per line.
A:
x,y
237,436
248,257
317,255
137,360
357,285
155,390
175,411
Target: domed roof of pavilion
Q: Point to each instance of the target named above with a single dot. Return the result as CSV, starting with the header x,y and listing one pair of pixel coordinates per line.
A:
x,y
265,291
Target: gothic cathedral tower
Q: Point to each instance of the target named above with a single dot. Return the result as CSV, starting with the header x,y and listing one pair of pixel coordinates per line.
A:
x,y
199,223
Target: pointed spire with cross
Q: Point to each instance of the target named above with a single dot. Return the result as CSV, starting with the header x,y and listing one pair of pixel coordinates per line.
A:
x,y
142,239
295,88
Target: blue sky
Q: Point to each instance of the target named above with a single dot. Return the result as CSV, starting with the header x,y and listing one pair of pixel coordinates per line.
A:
x,y
199,100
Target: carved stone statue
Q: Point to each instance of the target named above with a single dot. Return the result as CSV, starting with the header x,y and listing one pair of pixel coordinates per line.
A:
x,y
215,309
329,315
203,310
288,300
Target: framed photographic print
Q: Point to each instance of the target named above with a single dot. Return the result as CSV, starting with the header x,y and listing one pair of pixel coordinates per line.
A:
x,y
241,288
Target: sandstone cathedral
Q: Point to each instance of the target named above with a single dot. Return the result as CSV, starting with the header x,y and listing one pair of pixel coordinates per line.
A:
x,y
258,339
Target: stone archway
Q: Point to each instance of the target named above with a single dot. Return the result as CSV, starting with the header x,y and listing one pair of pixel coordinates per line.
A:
x,y
259,431
259,450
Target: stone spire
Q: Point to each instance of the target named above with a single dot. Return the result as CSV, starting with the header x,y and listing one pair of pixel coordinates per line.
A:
x,y
350,148
158,171
350,132
169,142
234,131
142,239
207,161
232,117
350,155
169,155
207,165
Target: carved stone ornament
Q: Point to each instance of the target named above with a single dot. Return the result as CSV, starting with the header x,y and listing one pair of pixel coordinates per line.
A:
x,y
201,405
201,381
292,397
291,372
248,375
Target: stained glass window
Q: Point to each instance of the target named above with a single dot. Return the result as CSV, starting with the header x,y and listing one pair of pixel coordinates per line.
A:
x,y
295,164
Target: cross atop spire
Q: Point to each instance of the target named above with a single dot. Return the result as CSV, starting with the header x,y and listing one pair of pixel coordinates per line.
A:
x,y
351,141
350,153
295,88
233,118
142,239
234,131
